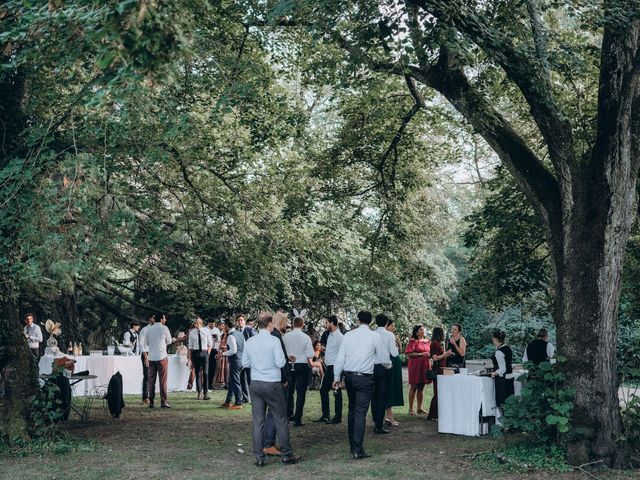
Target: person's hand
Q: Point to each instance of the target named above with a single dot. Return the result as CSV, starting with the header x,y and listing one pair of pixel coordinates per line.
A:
x,y
452,341
146,362
218,356
285,384
493,374
292,358
336,385
323,348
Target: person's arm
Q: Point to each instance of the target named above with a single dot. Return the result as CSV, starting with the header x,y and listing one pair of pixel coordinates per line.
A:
x,y
525,357
411,353
462,348
393,348
232,346
339,365
209,343
126,338
167,335
309,351
246,361
278,356
551,350
502,364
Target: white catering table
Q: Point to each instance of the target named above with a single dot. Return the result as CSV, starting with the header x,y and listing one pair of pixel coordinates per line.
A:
x,y
130,367
460,399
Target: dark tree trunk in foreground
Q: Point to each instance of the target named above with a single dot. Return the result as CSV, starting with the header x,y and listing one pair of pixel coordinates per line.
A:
x,y
18,376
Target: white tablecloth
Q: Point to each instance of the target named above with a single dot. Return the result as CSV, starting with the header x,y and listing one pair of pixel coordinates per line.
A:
x,y
460,399
130,367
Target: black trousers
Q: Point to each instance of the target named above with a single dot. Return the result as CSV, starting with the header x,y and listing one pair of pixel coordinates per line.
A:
x,y
298,385
145,379
379,399
359,391
212,367
245,382
200,362
35,352
325,388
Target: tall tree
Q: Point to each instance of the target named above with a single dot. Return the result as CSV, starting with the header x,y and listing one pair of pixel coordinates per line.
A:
x,y
553,88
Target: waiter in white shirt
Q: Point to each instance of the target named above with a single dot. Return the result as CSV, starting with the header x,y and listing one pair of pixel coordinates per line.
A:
x,y
263,354
356,358
200,345
382,371
233,352
300,353
33,334
334,342
216,335
155,340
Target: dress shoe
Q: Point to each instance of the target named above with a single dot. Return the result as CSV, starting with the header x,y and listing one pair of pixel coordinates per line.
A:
x,y
291,460
322,420
260,463
151,405
334,421
225,405
271,451
145,401
298,424
198,397
360,456
235,407
165,405
206,397
381,430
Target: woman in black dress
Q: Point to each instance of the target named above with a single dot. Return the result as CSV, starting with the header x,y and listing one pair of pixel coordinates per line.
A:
x,y
458,346
502,361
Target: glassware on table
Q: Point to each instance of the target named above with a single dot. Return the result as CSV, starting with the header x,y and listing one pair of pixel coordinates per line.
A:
x,y
111,349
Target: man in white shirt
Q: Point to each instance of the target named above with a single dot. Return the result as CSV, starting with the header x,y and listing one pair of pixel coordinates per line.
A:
x,y
334,342
356,358
33,334
540,350
233,352
264,355
145,364
300,353
155,340
199,345
381,372
215,338
246,328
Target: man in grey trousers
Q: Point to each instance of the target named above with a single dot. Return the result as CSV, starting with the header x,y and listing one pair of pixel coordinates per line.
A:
x,y
263,354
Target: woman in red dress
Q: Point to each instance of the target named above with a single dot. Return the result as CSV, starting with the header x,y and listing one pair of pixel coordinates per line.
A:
x,y
439,357
418,354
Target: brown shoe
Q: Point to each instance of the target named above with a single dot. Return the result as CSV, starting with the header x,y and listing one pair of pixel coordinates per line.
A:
x,y
225,405
198,397
271,451
235,407
291,460
145,401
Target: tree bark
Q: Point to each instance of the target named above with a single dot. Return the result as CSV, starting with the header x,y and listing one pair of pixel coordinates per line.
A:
x,y
18,376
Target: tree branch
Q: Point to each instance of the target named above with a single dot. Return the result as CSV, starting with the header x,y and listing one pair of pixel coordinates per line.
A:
x,y
527,73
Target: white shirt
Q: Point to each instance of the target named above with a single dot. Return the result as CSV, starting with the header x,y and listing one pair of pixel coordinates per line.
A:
x,y
205,339
387,346
551,351
232,344
334,341
299,345
263,354
216,341
358,352
34,335
141,342
155,341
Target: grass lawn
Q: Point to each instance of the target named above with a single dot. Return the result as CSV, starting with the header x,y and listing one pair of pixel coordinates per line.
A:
x,y
198,440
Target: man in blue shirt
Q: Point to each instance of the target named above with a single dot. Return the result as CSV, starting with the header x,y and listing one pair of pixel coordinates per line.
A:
x,y
263,354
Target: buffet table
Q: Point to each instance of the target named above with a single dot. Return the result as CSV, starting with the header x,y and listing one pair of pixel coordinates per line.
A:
x,y
130,367
464,399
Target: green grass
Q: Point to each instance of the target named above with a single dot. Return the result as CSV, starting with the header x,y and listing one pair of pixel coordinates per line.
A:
x,y
198,440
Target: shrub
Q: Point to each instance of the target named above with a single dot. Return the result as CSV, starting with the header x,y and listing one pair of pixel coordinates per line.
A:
x,y
524,458
543,411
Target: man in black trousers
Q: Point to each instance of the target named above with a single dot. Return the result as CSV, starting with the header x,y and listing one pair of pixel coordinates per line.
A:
x,y
356,358
381,372
300,352
333,344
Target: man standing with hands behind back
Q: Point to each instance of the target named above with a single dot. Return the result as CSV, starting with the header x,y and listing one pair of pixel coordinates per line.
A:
x,y
156,338
300,353
356,358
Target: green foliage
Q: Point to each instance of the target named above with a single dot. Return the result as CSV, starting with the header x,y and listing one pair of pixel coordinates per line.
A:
x,y
543,410
58,445
43,414
631,424
524,458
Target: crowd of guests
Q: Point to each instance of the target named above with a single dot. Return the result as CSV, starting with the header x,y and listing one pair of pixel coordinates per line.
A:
x,y
274,366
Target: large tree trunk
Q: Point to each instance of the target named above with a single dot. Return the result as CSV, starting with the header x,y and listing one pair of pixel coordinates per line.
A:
x,y
587,256
18,376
